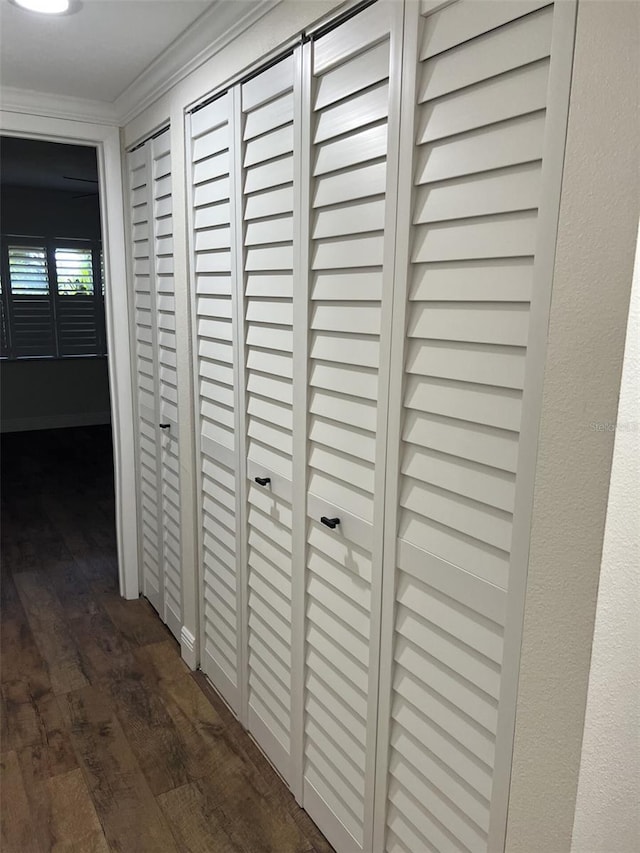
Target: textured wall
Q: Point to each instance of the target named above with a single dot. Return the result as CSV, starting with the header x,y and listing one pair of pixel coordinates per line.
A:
x,y
607,816
592,279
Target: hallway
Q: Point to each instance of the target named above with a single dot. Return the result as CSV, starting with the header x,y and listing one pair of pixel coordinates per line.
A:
x,y
108,741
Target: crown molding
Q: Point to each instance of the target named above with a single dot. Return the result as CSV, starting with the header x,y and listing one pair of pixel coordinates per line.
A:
x,y
27,101
188,52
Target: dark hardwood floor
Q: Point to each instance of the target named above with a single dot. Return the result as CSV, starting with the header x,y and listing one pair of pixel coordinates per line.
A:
x,y
108,742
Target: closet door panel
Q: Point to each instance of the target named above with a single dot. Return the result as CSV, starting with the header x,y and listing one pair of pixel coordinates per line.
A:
x,y
268,250
213,273
478,137
352,165
167,379
156,364
145,332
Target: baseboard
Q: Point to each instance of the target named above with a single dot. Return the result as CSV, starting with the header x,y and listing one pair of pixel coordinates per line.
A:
x,y
54,421
188,648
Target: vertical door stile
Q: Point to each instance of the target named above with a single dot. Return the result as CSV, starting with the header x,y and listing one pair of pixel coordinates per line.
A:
x,y
383,411
239,361
302,171
400,228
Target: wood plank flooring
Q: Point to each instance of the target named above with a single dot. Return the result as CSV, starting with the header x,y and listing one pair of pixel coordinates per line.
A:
x,y
108,742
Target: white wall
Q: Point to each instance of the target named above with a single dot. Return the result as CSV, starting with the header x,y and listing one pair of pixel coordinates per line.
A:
x,y
607,816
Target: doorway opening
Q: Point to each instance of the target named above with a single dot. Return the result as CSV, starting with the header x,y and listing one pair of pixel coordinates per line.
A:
x,y
83,300
55,412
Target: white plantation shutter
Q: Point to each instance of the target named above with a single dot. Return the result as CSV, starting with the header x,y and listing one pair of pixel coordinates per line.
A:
x,y
268,200
167,379
31,302
352,170
78,314
216,379
476,152
146,373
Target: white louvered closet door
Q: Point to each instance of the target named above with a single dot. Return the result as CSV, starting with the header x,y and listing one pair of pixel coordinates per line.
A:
x,y
475,151
145,374
353,165
165,318
216,335
268,235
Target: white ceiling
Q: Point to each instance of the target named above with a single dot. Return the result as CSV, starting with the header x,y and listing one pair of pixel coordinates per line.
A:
x,y
95,53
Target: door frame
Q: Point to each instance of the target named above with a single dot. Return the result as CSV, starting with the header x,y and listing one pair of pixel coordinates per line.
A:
x,y
105,138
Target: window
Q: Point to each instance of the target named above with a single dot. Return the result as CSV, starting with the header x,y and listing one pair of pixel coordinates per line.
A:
x,y
53,301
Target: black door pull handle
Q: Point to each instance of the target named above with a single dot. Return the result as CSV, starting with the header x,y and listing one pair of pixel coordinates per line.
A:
x,y
330,522
164,426
262,481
